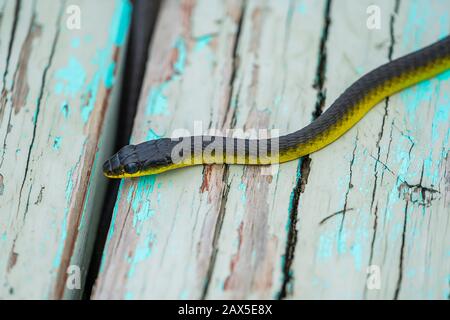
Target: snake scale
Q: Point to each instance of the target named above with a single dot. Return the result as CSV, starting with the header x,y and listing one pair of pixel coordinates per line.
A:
x,y
156,156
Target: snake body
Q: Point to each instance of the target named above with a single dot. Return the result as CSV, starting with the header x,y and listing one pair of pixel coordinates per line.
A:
x,y
156,156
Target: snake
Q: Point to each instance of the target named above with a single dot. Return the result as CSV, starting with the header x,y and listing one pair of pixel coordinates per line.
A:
x,y
159,155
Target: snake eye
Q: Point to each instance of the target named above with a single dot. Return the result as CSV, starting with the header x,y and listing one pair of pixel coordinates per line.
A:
x,y
131,168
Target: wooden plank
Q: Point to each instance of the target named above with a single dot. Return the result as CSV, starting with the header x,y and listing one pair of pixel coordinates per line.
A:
x,y
311,228
370,203
190,225
279,51
156,220
56,118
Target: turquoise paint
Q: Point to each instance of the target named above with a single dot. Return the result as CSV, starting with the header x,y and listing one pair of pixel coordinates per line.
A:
x,y
158,196
342,241
142,215
203,41
130,193
180,64
141,253
234,101
441,117
75,42
277,101
141,201
109,77
417,96
4,237
411,273
65,109
243,188
301,8
63,236
129,295
417,23
103,58
57,143
121,22
87,109
157,101
444,76
291,199
184,295
71,78
356,251
325,248
152,135
89,188
103,61
59,87
111,226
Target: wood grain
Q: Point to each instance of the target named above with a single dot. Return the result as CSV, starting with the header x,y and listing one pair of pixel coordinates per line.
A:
x,y
375,200
56,118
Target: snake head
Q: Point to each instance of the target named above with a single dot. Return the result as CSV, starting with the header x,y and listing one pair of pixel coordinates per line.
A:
x,y
146,158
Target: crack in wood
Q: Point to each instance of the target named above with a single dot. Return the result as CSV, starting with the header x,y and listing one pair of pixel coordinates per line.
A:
x,y
20,76
402,253
4,94
321,67
38,107
408,191
380,137
304,166
217,229
350,185
229,110
335,214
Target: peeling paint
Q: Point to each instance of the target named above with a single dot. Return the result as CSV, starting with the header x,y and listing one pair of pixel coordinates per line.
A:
x,y
104,58
203,41
243,188
141,253
180,64
141,201
63,228
70,78
57,143
152,135
65,109
157,101
75,43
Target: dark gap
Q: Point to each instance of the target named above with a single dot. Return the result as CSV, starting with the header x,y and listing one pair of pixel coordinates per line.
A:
x,y
142,24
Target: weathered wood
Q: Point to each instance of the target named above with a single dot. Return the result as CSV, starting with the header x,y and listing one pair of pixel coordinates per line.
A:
x,y
155,219
379,197
310,229
56,118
